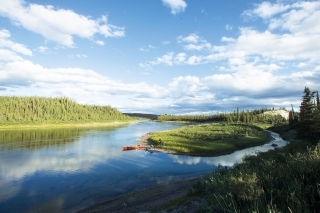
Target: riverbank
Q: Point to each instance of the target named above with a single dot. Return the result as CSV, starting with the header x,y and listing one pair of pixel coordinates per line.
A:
x,y
150,199
63,125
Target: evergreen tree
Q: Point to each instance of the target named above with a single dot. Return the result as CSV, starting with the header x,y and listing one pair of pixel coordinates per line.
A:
x,y
306,115
316,119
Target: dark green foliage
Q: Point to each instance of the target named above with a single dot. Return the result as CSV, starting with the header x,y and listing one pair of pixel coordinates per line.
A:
x,y
248,117
293,118
28,110
306,111
309,116
191,118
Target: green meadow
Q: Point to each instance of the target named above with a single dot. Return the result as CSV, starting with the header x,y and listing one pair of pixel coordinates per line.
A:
x,y
210,139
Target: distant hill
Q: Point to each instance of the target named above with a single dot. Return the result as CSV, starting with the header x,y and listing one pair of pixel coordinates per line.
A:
x,y
283,113
142,115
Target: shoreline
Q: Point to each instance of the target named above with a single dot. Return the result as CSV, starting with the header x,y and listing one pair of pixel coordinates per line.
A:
x,y
145,200
63,125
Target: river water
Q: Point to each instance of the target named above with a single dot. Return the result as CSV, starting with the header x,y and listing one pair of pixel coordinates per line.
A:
x,y
64,170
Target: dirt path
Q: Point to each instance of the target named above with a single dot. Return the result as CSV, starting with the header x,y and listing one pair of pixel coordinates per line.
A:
x,y
143,200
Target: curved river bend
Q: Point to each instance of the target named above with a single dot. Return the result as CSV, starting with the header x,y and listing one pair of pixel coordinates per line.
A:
x,y
64,170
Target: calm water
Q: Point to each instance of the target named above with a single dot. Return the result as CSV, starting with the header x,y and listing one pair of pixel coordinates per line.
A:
x,y
64,170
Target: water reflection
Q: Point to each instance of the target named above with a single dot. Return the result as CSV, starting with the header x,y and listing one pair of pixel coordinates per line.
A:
x,y
38,138
233,158
67,169
25,153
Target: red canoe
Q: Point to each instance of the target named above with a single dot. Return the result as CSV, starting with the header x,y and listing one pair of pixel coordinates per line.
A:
x,y
126,148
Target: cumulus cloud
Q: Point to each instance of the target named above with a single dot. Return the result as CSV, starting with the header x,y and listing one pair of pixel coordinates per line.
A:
x,y
58,25
192,38
265,67
194,42
176,6
78,83
180,58
256,68
10,50
166,59
43,49
101,43
266,10
275,47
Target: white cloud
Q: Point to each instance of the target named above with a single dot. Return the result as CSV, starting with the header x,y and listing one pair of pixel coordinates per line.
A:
x,y
7,55
180,58
146,49
300,20
6,42
193,60
229,27
165,59
78,56
176,6
194,42
10,50
192,38
42,49
199,47
71,82
266,10
301,65
58,25
101,43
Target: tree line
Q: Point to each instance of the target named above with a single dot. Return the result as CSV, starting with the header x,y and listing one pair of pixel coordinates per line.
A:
x,y
47,110
237,116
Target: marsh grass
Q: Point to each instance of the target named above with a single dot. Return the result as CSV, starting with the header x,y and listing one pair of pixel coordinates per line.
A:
x,y
281,180
210,139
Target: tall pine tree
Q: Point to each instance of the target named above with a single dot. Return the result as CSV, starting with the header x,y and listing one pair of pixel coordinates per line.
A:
x,y
315,128
306,114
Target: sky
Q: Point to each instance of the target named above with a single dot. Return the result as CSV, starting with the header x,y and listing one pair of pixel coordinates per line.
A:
x,y
162,56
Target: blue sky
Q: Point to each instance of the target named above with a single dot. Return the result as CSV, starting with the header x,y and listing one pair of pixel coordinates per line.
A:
x,y
161,56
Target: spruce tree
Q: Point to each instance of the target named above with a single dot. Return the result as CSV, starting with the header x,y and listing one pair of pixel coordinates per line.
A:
x,y
306,115
315,128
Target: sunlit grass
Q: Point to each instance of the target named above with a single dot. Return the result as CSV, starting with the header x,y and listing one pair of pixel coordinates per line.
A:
x,y
210,139
281,180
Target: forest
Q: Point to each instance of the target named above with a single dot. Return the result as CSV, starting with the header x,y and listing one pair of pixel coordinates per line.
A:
x,y
37,110
237,116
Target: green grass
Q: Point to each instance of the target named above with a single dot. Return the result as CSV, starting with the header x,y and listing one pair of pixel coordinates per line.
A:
x,y
280,180
210,139
59,124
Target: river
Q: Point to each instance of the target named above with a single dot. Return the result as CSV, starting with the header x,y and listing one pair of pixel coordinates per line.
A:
x,y
64,170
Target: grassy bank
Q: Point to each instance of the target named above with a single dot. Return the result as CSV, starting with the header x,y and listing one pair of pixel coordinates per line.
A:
x,y
281,180
51,125
209,139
